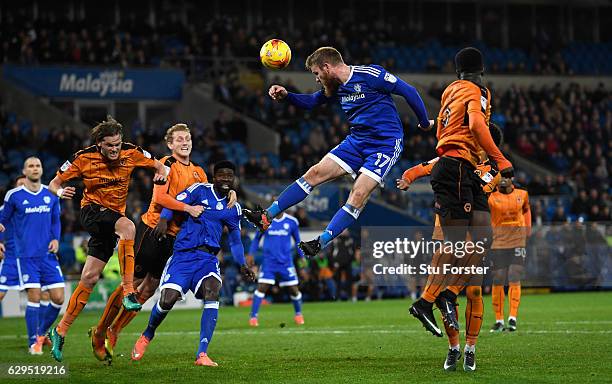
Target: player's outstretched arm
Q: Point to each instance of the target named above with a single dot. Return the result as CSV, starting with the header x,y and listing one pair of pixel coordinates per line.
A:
x,y
412,174
306,100
481,131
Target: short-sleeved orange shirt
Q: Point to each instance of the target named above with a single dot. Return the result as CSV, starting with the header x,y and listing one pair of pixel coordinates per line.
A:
x,y
508,218
459,99
180,177
106,182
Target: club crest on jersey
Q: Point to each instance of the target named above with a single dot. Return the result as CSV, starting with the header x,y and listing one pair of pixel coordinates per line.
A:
x,y
182,196
123,161
47,199
354,96
219,206
196,176
286,226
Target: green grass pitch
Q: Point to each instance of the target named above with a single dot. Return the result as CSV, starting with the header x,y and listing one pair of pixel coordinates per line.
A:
x,y
562,338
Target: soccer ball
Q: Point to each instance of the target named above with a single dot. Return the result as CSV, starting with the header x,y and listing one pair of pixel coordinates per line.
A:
x,y
275,54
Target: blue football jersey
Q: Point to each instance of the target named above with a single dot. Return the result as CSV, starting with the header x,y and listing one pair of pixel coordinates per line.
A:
x,y
7,238
208,227
277,240
35,218
367,102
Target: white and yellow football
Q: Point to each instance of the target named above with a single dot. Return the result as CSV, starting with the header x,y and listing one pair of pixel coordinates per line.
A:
x,y
275,54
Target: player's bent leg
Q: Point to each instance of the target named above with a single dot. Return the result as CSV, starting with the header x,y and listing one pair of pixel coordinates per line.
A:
x,y
515,272
169,297
498,299
345,217
32,317
103,347
323,171
258,297
89,277
56,298
296,300
126,230
209,290
146,289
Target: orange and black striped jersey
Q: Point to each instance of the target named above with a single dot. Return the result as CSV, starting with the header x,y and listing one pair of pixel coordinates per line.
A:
x,y
106,182
180,177
510,217
454,136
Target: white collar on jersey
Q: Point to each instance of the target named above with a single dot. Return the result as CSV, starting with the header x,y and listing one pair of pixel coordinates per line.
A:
x,y
350,75
281,218
212,188
31,192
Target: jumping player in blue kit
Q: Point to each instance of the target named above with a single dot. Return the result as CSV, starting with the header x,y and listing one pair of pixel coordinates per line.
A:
x,y
367,153
194,265
32,215
278,264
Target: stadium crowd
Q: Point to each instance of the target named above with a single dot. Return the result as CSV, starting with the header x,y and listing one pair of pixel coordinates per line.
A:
x,y
52,39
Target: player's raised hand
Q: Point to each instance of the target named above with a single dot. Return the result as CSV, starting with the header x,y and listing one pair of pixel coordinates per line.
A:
x,y
66,193
233,199
277,92
247,273
53,246
402,184
160,229
194,210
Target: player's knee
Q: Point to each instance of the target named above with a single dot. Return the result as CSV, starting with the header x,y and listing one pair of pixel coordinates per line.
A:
x,y
499,278
358,198
126,229
314,175
57,297
212,287
34,295
168,298
473,293
263,288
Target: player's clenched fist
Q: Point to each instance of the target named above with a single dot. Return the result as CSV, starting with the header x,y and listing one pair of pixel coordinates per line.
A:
x,y
277,92
194,210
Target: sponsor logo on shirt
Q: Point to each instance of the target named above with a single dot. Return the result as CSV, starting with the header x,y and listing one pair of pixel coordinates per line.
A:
x,y
278,232
39,209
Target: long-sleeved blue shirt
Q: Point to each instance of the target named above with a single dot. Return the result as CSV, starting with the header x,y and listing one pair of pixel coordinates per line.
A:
x,y
366,100
35,220
206,230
